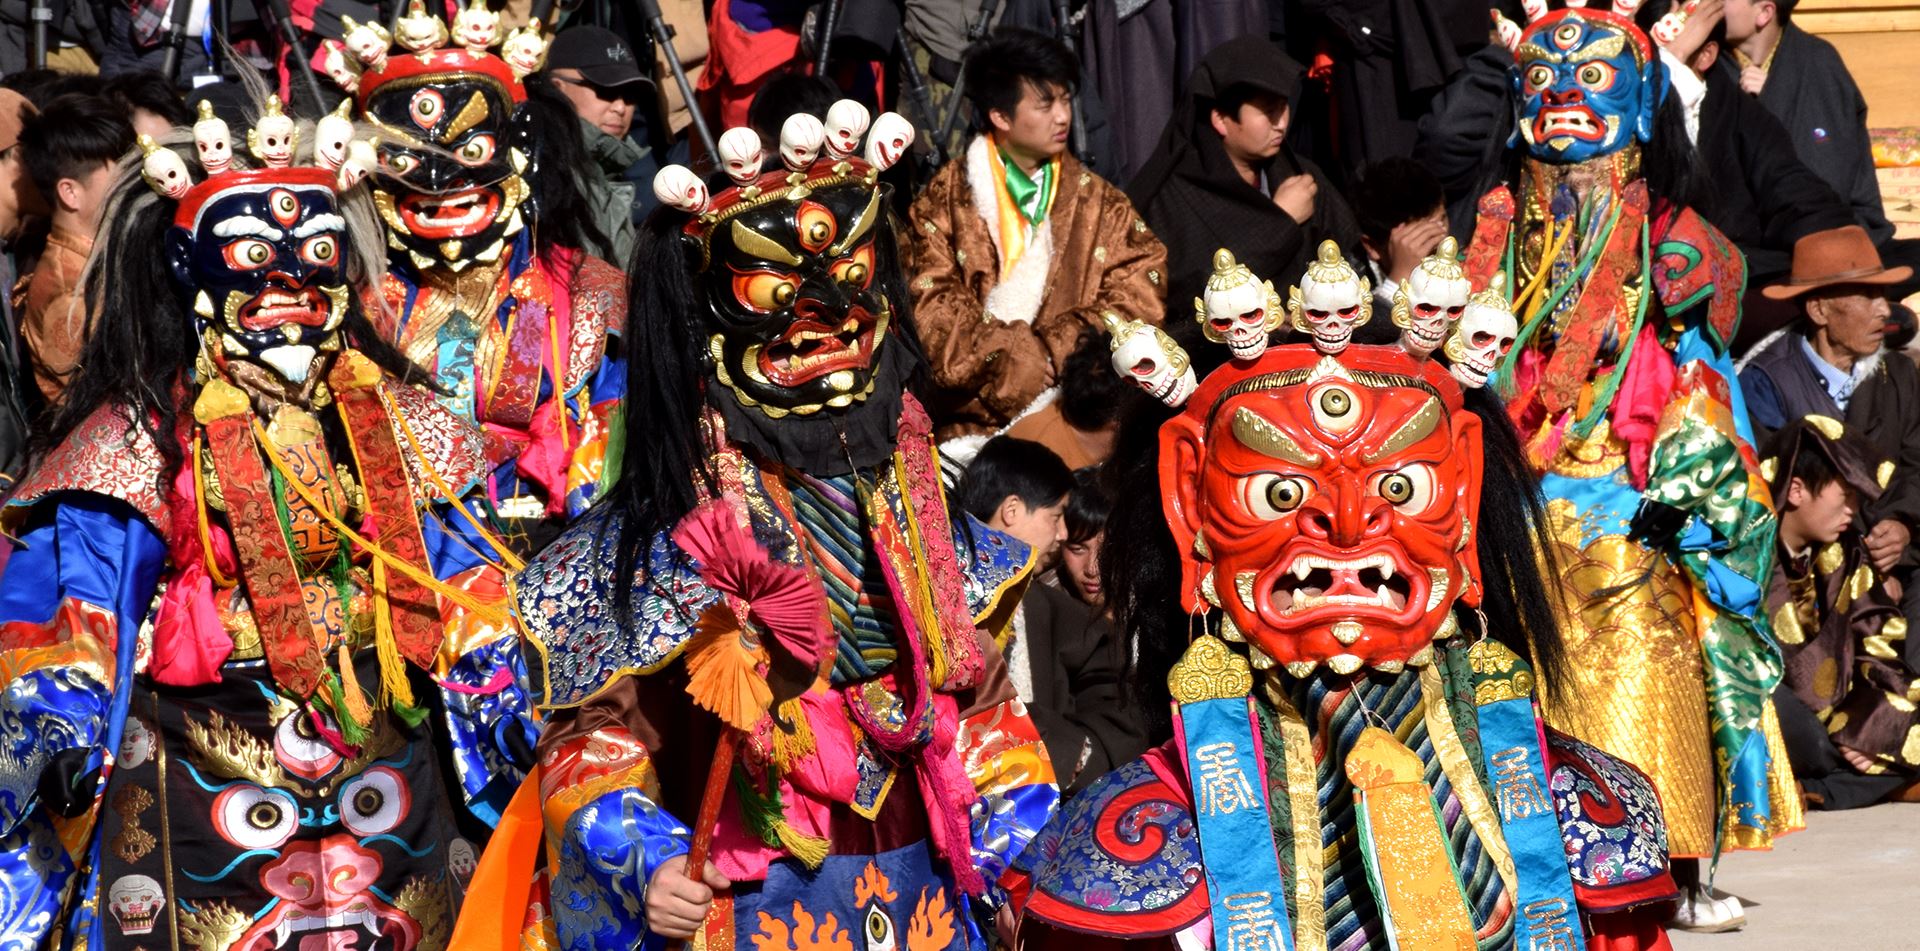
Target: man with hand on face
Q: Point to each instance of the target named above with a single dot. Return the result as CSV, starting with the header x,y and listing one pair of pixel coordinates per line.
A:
x,y
1223,175
1016,247
1832,363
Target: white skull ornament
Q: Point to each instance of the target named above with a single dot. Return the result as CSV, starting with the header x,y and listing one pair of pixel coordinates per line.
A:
x,y
525,49
212,140
1331,300
1485,333
476,27
800,139
1238,308
888,140
368,42
337,63
272,139
135,901
419,30
362,157
1145,355
741,154
164,169
332,135
679,187
847,121
1430,300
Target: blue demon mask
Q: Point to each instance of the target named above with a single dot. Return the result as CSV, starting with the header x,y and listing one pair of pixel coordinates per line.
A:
x,y
1587,85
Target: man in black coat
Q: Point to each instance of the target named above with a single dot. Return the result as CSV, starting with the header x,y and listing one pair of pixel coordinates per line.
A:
x,y
1832,363
1224,177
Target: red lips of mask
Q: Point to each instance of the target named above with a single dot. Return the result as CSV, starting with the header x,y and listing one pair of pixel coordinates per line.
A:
x,y
1330,499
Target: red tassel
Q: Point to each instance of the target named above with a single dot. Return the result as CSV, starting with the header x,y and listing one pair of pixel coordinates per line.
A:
x,y
783,600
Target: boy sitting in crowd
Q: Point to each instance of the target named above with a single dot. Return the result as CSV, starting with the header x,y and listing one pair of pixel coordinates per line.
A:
x,y
1846,702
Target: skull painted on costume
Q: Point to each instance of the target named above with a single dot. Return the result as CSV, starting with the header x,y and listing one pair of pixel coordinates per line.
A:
x,y
135,901
1238,308
349,852
1485,333
1331,300
1428,303
1145,355
1588,85
461,861
1322,504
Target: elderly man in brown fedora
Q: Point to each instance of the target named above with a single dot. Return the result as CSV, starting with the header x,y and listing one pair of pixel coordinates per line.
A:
x,y
1832,362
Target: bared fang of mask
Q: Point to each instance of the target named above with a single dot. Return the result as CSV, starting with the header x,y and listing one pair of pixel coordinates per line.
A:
x,y
263,261
1323,504
1587,86
795,316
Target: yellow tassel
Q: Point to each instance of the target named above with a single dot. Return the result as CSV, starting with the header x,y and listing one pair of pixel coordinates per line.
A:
x,y
490,613
393,670
809,850
791,747
723,670
356,699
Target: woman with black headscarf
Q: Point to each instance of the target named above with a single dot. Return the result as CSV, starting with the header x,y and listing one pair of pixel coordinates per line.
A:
x,y
1224,177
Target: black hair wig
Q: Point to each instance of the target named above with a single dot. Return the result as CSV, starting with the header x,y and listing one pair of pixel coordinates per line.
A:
x,y
1009,467
998,70
1142,573
558,168
74,135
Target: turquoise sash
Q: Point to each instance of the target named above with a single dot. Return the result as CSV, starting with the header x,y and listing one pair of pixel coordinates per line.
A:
x,y
1225,775
1517,771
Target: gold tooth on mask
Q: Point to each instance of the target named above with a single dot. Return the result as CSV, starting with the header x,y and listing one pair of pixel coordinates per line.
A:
x,y
1200,546
291,332
1259,659
1230,631
202,304
1347,632
1390,666
231,344
1437,590
450,249
1243,585
1206,589
841,380
1421,657
1343,663
1301,668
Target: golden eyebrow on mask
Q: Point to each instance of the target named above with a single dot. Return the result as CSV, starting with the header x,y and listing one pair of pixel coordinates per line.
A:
x,y
1263,437
1417,427
761,246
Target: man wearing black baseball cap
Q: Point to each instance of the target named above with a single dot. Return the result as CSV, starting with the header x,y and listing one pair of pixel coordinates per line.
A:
x,y
599,72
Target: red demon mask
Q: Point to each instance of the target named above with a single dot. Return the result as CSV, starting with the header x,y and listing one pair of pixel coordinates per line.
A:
x,y
1325,504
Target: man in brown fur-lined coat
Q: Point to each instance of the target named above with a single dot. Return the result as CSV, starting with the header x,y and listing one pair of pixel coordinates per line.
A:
x,y
1017,248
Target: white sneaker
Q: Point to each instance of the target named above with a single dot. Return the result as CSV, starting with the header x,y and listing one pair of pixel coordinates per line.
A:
x,y
1698,911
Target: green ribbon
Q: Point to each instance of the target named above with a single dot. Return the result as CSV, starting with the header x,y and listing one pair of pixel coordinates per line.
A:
x,y
1030,196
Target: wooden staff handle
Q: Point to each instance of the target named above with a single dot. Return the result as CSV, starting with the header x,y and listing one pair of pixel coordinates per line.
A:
x,y
716,793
